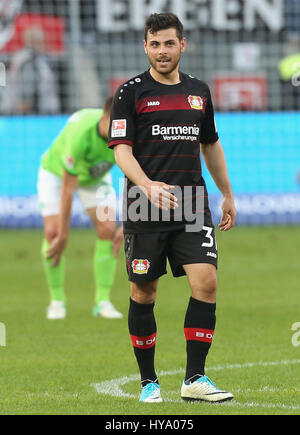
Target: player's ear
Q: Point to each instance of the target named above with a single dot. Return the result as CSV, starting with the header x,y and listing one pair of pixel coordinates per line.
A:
x,y
183,45
145,46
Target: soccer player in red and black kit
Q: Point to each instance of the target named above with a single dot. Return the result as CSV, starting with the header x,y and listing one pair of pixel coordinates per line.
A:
x,y
160,120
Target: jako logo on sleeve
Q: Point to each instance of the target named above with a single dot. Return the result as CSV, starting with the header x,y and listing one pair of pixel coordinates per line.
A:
x,y
119,128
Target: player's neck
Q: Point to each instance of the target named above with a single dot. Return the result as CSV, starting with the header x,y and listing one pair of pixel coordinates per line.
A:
x,y
167,79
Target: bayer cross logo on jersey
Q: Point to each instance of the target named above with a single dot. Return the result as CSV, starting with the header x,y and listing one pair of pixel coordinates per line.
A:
x,y
196,103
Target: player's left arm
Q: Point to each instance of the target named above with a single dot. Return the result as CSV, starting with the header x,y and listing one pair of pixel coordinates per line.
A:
x,y
59,244
214,158
117,241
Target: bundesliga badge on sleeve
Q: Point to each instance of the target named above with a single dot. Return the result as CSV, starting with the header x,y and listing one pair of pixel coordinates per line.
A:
x,y
119,128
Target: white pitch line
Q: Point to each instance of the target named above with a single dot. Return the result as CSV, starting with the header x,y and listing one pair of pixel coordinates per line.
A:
x,y
261,405
113,387
255,364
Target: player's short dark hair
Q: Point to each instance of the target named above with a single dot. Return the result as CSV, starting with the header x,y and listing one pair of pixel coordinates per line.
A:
x,y
163,21
108,104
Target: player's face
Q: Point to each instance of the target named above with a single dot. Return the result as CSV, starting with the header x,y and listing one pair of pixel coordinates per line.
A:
x,y
164,50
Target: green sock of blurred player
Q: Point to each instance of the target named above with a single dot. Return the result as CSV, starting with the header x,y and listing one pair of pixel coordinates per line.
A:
x,y
55,275
104,270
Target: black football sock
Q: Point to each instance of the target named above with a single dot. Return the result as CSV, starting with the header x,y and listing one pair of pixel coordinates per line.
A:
x,y
199,327
142,329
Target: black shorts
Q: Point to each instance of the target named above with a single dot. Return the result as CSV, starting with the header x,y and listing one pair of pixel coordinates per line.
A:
x,y
147,253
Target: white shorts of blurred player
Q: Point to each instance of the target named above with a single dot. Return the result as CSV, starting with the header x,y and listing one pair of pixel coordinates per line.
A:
x,y
101,194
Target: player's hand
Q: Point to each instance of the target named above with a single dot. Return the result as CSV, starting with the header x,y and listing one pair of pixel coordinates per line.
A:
x,y
117,241
159,195
229,214
56,250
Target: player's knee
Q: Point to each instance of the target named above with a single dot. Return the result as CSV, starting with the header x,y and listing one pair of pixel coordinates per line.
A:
x,y
144,293
210,285
206,287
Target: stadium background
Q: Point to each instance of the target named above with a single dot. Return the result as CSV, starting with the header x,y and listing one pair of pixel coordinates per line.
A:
x,y
236,46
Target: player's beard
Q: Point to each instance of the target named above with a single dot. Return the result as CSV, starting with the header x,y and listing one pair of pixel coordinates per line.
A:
x,y
166,68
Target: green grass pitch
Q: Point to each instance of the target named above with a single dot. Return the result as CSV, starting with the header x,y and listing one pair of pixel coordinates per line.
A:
x,y
84,365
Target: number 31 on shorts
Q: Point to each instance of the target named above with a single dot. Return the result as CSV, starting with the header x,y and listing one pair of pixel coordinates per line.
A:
x,y
210,237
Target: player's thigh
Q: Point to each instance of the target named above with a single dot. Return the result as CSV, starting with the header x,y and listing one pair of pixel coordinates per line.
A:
x,y
195,255
105,229
203,281
49,193
185,248
145,256
99,202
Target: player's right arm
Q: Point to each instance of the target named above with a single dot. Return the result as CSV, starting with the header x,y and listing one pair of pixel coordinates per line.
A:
x,y
122,138
157,192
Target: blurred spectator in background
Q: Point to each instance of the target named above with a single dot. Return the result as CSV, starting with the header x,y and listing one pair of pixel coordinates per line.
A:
x,y
289,70
289,65
9,10
293,21
31,84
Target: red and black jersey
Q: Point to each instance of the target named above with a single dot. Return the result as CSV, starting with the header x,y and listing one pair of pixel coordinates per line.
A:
x,y
165,125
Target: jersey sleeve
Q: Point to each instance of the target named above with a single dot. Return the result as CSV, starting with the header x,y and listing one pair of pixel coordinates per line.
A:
x,y
73,154
209,133
122,126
